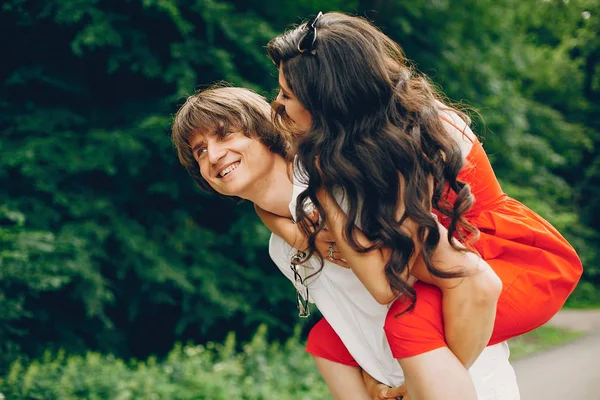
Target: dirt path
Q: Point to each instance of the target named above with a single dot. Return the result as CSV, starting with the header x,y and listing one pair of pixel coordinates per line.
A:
x,y
571,371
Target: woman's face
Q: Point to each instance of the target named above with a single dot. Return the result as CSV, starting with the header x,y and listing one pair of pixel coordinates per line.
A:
x,y
293,108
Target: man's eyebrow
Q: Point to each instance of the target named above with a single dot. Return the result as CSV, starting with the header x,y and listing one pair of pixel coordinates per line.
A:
x,y
197,146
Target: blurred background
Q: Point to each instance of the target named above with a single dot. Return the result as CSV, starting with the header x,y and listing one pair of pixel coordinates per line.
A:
x,y
119,279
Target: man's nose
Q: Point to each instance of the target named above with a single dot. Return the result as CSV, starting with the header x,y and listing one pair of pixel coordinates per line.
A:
x,y
215,151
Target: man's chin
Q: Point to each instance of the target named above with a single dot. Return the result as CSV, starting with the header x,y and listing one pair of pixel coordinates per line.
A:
x,y
230,192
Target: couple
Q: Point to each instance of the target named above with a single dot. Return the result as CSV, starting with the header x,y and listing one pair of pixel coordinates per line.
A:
x,y
394,175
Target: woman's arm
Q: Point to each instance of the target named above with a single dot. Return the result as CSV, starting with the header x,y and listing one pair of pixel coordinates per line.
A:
x,y
369,267
469,302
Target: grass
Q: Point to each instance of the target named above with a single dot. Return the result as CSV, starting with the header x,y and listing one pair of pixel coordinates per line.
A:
x,y
542,338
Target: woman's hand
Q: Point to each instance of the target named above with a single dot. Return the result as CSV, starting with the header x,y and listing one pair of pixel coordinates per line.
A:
x,y
368,266
379,391
325,243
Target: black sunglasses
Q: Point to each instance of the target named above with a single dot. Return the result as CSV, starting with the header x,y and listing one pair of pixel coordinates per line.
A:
x,y
307,43
302,301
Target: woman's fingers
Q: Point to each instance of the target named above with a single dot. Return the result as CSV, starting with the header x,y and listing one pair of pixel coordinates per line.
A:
x,y
313,214
330,253
325,240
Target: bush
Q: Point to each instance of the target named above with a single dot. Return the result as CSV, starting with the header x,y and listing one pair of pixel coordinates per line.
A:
x,y
586,295
261,370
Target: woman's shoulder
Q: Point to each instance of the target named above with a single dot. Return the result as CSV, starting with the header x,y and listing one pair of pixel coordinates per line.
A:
x,y
458,128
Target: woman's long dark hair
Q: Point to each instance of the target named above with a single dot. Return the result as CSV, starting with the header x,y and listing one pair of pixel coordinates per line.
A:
x,y
375,123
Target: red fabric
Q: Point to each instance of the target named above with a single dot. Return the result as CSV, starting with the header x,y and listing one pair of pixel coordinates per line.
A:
x,y
325,343
539,269
420,330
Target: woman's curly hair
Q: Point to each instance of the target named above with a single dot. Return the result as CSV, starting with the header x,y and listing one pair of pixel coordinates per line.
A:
x,y
378,136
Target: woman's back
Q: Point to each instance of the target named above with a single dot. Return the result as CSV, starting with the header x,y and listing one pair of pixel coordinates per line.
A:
x,y
538,267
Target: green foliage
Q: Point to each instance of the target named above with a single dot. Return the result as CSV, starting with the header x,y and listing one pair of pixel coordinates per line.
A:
x,y
531,69
540,339
112,237
261,370
585,295
35,263
105,244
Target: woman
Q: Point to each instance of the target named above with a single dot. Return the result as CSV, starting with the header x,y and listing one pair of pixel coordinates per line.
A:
x,y
371,128
226,142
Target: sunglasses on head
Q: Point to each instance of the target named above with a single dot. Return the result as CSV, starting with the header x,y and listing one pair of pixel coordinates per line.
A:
x,y
307,43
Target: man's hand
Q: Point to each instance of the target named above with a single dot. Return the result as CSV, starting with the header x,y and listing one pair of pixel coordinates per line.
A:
x,y
379,391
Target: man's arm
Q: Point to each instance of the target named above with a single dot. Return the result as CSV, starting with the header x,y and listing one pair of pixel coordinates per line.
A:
x,y
286,229
282,227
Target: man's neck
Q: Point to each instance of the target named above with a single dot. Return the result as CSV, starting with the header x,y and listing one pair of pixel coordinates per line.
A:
x,y
273,192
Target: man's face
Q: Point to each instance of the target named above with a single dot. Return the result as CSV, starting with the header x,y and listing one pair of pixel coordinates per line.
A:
x,y
233,164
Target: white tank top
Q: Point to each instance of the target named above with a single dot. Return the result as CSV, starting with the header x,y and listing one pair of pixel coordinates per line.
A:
x,y
358,320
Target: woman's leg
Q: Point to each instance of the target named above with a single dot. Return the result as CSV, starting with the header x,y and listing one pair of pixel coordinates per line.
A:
x,y
416,338
337,366
335,362
344,381
437,375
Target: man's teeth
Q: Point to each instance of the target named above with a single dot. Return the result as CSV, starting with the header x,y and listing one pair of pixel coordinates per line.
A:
x,y
229,169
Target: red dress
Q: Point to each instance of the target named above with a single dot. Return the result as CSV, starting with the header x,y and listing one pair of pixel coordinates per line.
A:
x,y
539,269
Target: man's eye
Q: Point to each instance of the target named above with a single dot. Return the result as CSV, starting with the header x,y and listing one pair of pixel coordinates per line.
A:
x,y
224,133
201,152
